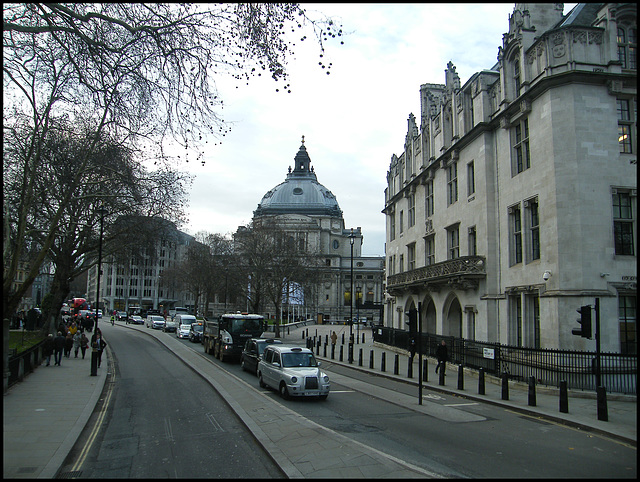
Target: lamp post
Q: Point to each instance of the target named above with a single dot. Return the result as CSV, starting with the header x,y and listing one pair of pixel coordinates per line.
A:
x,y
351,240
94,353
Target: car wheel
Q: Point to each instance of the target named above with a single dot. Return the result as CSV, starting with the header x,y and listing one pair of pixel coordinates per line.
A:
x,y
284,393
261,381
323,397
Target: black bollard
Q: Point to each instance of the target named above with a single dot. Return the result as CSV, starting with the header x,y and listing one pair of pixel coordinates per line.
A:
x,y
505,386
325,351
460,377
481,381
341,351
410,367
396,369
326,339
383,362
441,374
425,371
360,357
564,397
343,338
363,338
303,334
318,348
350,352
532,391
94,363
601,394
333,351
371,359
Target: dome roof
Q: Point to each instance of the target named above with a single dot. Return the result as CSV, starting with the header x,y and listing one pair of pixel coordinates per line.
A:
x,y
300,193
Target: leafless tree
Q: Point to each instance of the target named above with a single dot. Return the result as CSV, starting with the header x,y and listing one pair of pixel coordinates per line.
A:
x,y
143,74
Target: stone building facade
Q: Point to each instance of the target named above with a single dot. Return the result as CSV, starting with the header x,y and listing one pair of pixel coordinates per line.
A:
x,y
310,212
514,201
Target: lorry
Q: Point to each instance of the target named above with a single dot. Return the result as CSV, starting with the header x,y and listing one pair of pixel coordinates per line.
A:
x,y
225,337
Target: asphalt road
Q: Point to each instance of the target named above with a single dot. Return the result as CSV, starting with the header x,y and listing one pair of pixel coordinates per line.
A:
x,y
163,421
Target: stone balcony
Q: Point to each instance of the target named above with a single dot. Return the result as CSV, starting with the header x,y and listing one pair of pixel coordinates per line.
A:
x,y
460,273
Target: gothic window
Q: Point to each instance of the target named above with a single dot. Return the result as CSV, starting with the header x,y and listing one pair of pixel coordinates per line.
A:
x,y
627,46
428,198
533,229
411,218
515,235
471,179
452,183
517,82
520,141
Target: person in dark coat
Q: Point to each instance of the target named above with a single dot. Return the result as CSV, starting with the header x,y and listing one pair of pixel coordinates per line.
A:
x,y
442,355
68,344
98,344
84,343
47,348
58,346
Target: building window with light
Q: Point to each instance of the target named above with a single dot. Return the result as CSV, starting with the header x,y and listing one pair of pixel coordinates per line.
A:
x,y
625,124
623,223
452,183
521,159
627,39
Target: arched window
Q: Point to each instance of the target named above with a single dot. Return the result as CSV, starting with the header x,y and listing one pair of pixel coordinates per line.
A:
x,y
627,46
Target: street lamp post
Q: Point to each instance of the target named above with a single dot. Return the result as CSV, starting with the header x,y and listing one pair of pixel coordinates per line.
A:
x,y
351,240
94,354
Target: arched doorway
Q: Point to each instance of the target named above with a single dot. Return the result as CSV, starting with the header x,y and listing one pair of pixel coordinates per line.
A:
x,y
429,316
452,319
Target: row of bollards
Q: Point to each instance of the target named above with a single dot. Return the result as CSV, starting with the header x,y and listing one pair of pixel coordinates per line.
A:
x,y
563,393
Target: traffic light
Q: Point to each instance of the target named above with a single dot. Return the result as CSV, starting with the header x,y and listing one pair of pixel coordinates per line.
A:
x,y
413,320
585,322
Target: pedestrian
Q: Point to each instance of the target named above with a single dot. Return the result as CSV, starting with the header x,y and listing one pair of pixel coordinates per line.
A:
x,y
68,344
62,328
58,346
76,343
73,328
47,348
84,343
334,338
442,356
98,344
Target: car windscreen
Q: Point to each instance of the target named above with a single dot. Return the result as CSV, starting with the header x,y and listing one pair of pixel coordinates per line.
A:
x,y
197,327
298,360
240,325
157,318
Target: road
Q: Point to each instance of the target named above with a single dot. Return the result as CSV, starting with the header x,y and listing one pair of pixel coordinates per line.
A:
x,y
457,438
163,421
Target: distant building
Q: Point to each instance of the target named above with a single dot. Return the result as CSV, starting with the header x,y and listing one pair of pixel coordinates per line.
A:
x,y
310,213
514,200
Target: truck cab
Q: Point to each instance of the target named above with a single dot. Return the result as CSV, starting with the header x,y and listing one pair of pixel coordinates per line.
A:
x,y
226,336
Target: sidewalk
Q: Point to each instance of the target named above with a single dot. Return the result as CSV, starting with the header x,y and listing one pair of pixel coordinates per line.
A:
x,y
45,414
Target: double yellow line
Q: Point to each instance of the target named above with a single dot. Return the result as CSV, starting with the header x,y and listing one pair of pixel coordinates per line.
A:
x,y
98,424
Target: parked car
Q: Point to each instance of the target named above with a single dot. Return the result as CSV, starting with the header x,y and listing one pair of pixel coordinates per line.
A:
x,y
252,353
136,320
155,321
170,326
293,371
195,333
183,330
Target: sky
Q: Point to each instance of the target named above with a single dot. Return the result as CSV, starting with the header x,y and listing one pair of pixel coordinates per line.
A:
x,y
353,120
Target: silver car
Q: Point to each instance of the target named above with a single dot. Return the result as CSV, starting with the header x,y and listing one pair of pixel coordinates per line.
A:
x,y
293,371
155,321
183,330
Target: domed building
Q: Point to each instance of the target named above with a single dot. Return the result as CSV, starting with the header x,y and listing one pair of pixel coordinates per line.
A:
x,y
311,214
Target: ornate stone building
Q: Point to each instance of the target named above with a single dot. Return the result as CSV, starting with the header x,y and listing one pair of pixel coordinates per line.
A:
x,y
310,213
514,201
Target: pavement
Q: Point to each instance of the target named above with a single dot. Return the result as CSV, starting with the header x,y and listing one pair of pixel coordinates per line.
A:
x,y
44,414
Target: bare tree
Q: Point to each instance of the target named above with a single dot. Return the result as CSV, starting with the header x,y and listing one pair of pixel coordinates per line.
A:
x,y
141,73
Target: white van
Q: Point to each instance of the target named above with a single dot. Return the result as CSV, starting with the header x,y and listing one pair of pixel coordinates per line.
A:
x,y
183,324
178,310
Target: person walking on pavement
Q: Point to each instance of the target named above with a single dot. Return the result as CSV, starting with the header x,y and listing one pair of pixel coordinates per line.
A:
x,y
442,356
84,343
58,346
334,338
68,344
98,344
47,348
76,343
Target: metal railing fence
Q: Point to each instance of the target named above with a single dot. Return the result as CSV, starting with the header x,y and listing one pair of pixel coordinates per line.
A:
x,y
549,366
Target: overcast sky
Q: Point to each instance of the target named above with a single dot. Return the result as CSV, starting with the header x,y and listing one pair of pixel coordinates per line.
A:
x,y
353,120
